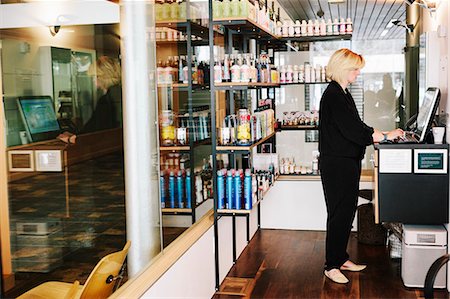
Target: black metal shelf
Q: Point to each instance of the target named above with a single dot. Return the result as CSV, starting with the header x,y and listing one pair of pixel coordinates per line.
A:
x,y
195,28
245,26
242,148
315,38
184,148
304,83
298,128
243,86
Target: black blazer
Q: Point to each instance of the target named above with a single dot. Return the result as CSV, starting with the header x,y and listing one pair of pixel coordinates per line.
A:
x,y
342,133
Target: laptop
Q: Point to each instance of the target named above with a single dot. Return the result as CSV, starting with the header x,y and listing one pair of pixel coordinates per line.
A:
x,y
424,119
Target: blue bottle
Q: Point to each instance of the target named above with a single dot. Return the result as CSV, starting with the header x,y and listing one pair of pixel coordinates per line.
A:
x,y
229,193
220,190
171,190
248,190
162,186
180,189
237,190
188,189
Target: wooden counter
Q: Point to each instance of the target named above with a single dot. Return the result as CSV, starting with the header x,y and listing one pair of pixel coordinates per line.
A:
x,y
87,146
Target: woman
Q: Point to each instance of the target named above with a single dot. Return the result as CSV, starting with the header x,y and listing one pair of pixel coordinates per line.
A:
x,y
343,137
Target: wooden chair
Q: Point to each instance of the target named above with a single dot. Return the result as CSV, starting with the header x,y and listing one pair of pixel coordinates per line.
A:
x,y
99,284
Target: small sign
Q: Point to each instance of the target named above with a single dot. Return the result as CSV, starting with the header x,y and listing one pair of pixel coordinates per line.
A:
x,y
48,160
430,160
395,161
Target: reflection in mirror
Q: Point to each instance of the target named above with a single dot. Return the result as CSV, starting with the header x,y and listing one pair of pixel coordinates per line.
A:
x,y
66,199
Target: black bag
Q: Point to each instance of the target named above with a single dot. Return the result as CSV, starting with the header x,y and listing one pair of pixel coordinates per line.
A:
x,y
369,232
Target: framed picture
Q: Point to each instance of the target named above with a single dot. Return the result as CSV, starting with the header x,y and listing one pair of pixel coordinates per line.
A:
x,y
21,161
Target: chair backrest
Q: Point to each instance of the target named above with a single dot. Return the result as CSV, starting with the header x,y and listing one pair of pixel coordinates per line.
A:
x,y
100,282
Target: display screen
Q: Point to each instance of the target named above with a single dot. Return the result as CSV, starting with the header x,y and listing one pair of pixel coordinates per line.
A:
x,y
426,111
38,115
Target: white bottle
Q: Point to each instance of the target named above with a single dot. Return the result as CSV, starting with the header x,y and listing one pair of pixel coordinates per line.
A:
x,y
217,71
236,72
323,76
307,73
245,71
285,30
295,74
313,74
297,28
226,68
301,73
342,26
349,28
336,27
304,28
318,73
282,74
291,30
289,74
316,28
329,27
310,28
323,27
279,31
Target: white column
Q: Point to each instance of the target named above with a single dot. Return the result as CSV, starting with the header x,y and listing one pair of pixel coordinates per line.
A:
x,y
140,132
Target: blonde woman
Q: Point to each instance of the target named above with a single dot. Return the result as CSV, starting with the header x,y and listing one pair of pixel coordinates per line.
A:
x,y
343,138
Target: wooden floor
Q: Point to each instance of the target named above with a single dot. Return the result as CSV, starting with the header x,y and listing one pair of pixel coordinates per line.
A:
x,y
289,264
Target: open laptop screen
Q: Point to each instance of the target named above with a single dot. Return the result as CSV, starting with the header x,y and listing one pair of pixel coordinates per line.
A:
x,y
427,111
39,117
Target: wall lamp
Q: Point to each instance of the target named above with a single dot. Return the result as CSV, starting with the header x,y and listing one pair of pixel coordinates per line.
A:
x,y
408,27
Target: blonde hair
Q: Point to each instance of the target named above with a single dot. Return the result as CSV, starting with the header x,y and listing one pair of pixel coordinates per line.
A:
x,y
108,71
341,63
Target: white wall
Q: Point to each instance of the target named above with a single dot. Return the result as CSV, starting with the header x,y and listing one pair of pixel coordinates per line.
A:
x,y
298,205
193,275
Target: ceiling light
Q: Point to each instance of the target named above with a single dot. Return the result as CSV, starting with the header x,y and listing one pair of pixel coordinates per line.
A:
x,y
385,31
335,1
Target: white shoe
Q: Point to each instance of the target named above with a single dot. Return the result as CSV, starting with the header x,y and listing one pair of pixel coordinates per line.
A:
x,y
350,266
336,276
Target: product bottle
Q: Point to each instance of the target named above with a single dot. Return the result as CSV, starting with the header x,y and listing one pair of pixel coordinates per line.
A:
x,y
303,28
323,27
301,74
220,190
349,29
310,28
160,73
217,71
342,27
336,27
289,74
316,28
313,74
188,189
226,69
226,8
194,70
282,74
236,71
291,30
162,183
245,71
234,8
198,189
297,28
230,190
185,71
180,70
285,29
329,27
253,70
295,74
307,73
237,190
180,189
315,165
168,71
172,190
248,200
318,74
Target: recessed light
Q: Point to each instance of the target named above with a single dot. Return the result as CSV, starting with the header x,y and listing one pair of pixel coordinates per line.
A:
x,y
385,31
335,1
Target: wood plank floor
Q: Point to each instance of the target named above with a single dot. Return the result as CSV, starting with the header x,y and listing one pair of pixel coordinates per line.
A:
x,y
289,264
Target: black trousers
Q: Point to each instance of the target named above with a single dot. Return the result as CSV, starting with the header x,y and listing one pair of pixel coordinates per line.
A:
x,y
340,181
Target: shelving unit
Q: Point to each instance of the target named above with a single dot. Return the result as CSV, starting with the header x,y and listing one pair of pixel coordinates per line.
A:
x,y
242,148
245,26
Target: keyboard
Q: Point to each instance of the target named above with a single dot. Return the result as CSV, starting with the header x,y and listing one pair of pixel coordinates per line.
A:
x,y
409,137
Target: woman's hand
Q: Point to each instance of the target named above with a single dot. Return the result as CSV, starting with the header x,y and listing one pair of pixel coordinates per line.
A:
x,y
395,134
391,135
67,137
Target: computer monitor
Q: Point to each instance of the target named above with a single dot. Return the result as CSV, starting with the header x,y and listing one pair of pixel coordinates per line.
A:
x,y
427,111
39,117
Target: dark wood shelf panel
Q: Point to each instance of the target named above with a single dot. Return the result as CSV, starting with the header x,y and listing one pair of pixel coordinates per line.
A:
x,y
316,38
